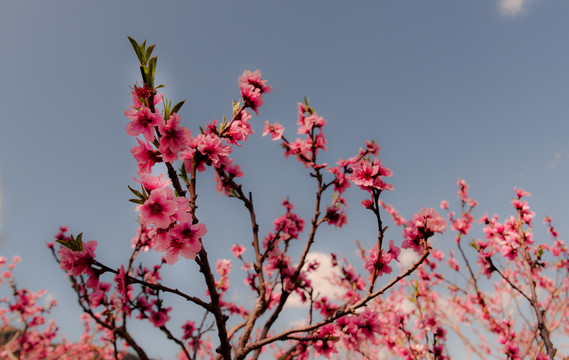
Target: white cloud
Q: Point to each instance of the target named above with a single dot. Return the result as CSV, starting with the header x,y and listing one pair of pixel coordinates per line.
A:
x,y
512,7
320,279
48,298
407,258
296,323
553,164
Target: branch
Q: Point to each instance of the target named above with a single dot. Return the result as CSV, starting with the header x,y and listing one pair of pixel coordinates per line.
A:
x,y
286,293
340,313
157,287
224,348
543,330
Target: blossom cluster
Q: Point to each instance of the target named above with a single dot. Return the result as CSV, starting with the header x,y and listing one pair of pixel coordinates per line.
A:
x,y
28,333
407,315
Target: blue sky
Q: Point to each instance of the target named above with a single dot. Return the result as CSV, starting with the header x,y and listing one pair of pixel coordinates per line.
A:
x,y
449,89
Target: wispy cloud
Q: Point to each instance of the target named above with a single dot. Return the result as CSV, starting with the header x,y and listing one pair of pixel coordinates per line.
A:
x,y
557,159
512,7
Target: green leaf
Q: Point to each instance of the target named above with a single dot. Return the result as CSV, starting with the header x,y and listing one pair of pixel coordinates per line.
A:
x,y
178,106
149,51
236,106
152,69
133,43
167,108
144,75
473,245
144,191
136,48
74,244
135,192
183,173
136,201
416,288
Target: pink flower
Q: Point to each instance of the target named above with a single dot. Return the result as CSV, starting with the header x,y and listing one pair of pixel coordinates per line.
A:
x,y
434,222
160,318
223,268
341,183
122,285
275,130
97,297
151,182
187,155
521,192
211,147
336,216
239,129
189,327
224,185
364,173
143,122
254,79
452,263
159,208
184,212
174,137
252,87
145,156
393,251
464,224
381,264
423,225
301,148
238,250
78,262
252,97
367,203
326,336
372,147
310,122
185,241
143,93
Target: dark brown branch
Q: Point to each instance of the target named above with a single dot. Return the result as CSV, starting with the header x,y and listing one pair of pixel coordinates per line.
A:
x,y
202,260
157,287
176,340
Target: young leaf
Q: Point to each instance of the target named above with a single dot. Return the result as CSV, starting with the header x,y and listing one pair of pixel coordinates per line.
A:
x,y
152,69
183,173
74,244
136,48
473,245
135,192
178,106
149,51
